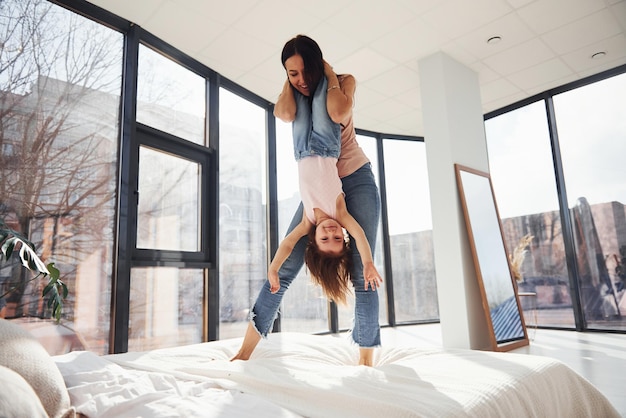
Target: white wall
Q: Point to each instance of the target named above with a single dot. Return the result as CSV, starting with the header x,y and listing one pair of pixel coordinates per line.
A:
x,y
453,133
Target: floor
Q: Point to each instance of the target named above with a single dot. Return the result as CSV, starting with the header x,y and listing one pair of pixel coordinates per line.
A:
x,y
599,357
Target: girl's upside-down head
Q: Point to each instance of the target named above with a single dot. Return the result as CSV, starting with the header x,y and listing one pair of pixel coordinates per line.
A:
x,y
332,269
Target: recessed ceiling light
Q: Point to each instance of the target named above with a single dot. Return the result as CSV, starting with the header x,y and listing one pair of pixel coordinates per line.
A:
x,y
494,40
598,55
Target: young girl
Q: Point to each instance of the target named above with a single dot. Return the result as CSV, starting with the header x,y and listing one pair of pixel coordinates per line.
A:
x,y
316,102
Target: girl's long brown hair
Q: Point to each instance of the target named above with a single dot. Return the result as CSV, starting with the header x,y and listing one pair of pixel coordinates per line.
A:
x,y
331,272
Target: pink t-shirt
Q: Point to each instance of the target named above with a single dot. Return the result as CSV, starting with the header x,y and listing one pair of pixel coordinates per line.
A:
x,y
319,185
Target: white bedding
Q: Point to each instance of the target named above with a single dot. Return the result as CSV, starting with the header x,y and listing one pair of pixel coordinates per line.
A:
x,y
293,374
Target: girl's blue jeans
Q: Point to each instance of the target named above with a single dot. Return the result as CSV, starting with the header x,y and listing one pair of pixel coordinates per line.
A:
x,y
363,203
314,132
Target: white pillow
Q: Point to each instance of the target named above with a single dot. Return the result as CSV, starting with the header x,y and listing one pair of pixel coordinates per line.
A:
x,y
17,397
22,353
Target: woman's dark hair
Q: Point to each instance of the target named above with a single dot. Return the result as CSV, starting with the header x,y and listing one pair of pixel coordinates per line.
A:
x,y
331,272
311,54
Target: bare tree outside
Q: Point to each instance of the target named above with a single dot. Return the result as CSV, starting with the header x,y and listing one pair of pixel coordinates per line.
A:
x,y
60,81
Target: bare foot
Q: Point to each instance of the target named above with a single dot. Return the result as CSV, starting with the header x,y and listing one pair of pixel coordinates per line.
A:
x,y
250,341
366,357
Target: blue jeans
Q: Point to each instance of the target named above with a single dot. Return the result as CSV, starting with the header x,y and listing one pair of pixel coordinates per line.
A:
x,y
363,203
314,132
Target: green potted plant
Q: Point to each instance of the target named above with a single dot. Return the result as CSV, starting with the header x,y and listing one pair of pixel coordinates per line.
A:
x,y
12,242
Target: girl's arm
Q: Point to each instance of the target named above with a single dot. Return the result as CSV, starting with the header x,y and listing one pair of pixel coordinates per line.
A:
x,y
370,273
340,95
285,107
284,249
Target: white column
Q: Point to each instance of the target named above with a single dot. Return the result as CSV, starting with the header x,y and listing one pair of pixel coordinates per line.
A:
x,y
453,133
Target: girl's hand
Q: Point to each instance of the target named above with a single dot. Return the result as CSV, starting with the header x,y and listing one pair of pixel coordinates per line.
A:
x,y
272,276
371,276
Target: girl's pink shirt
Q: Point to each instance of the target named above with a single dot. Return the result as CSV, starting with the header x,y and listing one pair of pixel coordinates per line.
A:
x,y
319,185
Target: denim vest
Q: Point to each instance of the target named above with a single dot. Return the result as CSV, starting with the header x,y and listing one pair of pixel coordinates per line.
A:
x,y
314,132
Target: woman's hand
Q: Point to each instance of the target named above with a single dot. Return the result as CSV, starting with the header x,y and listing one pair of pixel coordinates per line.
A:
x,y
340,94
285,108
371,277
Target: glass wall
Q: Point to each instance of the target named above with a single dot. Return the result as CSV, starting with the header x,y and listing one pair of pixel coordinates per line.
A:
x,y
592,135
166,307
522,173
165,300
59,124
168,203
242,208
590,131
170,98
410,231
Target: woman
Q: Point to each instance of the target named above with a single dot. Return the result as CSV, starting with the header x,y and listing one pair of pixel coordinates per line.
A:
x,y
361,198
317,146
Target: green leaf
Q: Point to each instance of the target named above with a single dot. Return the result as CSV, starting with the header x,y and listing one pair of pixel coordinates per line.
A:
x,y
55,290
54,272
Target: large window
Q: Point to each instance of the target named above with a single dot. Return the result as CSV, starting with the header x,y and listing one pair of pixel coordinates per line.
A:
x,y
243,201
410,231
592,134
168,203
59,113
169,97
589,124
169,181
522,173
166,307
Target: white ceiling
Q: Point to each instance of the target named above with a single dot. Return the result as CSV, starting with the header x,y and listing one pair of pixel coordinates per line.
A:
x,y
545,44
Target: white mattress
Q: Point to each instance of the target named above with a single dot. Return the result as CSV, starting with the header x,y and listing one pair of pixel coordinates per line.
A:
x,y
293,374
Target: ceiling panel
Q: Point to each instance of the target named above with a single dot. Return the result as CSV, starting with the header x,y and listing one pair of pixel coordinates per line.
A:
x,y
614,47
545,43
547,71
511,29
575,35
519,57
547,15
395,81
498,90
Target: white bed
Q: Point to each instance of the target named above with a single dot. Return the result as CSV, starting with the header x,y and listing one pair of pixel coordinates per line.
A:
x,y
292,375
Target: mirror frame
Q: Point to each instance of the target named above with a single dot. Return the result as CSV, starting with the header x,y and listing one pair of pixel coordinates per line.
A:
x,y
466,201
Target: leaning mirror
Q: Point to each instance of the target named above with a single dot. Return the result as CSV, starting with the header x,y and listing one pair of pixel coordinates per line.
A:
x,y
500,301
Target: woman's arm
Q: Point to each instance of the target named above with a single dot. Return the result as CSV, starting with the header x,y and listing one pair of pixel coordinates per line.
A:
x,y
340,95
370,273
284,249
285,107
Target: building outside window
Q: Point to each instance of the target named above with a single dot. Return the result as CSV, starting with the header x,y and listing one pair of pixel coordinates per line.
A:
x,y
410,231
591,129
59,135
589,122
243,202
